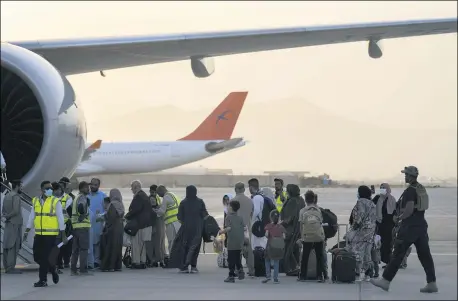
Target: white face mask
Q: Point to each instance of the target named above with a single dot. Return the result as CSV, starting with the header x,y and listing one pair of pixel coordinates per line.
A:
x,y
382,191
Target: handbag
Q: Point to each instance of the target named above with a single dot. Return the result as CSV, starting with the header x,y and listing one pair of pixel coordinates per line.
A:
x,y
131,227
258,228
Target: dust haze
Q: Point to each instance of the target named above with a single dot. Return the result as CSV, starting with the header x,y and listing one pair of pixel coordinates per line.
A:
x,y
323,109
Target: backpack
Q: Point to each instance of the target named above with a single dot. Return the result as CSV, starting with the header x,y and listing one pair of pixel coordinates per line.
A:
x,y
269,205
275,247
422,197
210,229
311,228
331,219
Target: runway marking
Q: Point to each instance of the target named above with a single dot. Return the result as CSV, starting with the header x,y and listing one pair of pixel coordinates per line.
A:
x,y
412,253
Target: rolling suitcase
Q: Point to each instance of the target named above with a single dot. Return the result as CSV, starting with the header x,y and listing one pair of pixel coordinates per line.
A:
x,y
259,262
343,263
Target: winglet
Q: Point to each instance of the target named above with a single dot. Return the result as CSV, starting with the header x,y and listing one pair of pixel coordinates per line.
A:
x,y
220,124
96,145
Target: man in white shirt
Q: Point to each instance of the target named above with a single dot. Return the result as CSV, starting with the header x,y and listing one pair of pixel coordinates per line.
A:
x,y
46,232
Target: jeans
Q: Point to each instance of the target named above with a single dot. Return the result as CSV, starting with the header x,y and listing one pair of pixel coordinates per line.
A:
x,y
325,259
276,264
234,260
306,249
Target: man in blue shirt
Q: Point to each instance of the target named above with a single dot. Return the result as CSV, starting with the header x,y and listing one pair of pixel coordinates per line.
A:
x,y
96,205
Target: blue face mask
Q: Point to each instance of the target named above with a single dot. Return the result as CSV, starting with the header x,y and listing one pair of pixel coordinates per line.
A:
x,y
48,192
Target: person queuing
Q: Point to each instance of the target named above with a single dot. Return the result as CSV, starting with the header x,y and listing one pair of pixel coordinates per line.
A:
x,y
169,211
246,213
81,224
140,220
12,238
413,229
48,220
96,198
112,237
280,195
155,249
191,214
65,252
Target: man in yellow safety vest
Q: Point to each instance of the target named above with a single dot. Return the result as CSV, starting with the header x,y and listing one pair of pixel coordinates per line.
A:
x,y
66,200
81,225
169,212
280,195
47,219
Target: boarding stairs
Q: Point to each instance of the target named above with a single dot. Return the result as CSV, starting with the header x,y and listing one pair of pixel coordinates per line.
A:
x,y
26,251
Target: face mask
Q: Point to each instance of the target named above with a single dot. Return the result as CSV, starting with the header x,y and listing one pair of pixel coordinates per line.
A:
x,y
48,192
382,191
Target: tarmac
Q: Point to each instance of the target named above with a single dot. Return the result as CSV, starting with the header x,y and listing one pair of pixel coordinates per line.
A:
x,y
157,283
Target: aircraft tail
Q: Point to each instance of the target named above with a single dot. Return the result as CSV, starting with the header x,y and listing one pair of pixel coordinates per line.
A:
x,y
220,124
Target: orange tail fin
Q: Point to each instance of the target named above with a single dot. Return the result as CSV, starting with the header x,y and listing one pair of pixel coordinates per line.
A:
x,y
220,124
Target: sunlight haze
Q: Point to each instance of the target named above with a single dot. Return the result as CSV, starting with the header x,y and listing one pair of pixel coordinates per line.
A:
x,y
325,109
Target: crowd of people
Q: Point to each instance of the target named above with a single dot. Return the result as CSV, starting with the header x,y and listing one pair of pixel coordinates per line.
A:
x,y
276,230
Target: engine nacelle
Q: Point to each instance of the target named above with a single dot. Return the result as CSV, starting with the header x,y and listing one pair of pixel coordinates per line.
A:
x,y
202,66
374,49
43,133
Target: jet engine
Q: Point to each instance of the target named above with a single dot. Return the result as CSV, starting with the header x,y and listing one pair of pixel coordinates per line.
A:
x,y
43,129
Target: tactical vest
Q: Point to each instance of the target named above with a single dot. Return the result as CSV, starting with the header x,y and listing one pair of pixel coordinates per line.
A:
x,y
63,201
171,212
45,222
85,223
422,197
279,203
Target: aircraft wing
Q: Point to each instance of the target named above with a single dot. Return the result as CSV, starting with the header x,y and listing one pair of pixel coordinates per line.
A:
x,y
74,56
91,149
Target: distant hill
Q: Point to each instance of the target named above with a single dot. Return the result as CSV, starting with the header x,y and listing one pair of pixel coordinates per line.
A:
x,y
295,134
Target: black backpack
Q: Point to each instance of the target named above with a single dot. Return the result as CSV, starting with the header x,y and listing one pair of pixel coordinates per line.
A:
x,y
211,228
331,219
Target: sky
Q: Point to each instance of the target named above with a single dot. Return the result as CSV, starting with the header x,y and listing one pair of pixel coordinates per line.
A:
x,y
411,89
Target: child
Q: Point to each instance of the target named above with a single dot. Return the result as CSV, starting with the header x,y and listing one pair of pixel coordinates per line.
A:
x,y
373,271
275,234
234,230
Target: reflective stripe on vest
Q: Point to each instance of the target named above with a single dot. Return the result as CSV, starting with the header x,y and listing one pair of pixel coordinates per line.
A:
x,y
85,223
63,201
158,200
45,222
171,212
279,203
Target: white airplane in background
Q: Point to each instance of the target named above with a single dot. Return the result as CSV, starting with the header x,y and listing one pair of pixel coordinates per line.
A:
x,y
43,129
212,136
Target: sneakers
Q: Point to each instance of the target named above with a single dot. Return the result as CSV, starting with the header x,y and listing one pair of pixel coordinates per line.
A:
x,y
430,288
40,284
229,280
276,281
184,270
194,270
55,276
382,283
86,274
74,273
265,280
241,275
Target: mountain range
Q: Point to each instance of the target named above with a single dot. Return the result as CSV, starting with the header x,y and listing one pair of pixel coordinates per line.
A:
x,y
293,134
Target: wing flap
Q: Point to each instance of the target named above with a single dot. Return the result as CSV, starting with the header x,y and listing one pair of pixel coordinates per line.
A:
x,y
76,56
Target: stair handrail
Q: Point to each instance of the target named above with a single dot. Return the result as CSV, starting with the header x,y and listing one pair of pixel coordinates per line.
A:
x,y
24,196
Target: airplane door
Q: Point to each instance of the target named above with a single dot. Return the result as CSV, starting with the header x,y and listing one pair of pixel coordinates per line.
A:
x,y
175,150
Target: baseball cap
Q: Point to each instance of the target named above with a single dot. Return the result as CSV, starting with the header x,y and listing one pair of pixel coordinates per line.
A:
x,y
410,170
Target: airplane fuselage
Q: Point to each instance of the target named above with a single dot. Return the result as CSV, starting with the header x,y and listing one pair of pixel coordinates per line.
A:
x,y
144,157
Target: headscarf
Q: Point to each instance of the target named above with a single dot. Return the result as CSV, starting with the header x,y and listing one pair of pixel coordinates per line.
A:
x,y
116,201
191,192
293,190
390,202
267,192
230,198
